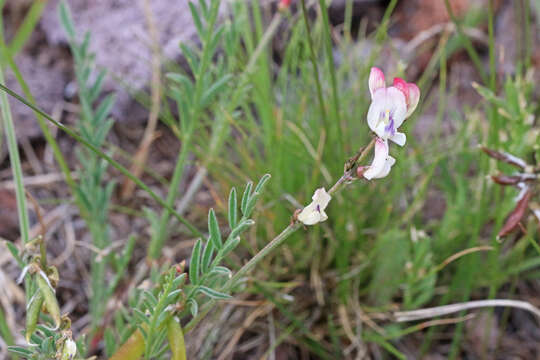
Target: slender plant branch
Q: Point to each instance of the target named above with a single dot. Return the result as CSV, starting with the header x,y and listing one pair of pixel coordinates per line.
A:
x,y
277,241
348,175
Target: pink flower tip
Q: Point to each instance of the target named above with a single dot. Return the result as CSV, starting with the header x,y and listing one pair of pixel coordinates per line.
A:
x,y
376,80
411,92
284,4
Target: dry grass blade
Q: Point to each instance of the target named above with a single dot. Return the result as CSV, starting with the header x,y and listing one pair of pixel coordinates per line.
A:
x,y
402,316
463,253
438,322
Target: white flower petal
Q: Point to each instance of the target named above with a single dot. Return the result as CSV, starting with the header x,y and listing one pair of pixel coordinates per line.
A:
x,y
321,198
397,105
376,108
412,100
386,112
309,215
390,161
399,138
379,159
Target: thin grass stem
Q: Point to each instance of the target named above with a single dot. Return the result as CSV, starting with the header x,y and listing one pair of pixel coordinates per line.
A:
x,y
313,60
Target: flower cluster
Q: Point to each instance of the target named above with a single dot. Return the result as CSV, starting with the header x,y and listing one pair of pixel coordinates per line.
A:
x,y
389,108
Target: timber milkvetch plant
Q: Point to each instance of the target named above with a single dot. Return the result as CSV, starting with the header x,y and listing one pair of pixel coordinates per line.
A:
x,y
178,297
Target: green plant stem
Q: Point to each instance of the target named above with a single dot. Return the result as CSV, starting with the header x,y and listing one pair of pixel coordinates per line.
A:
x,y
160,307
98,301
347,24
315,67
105,157
277,241
42,253
157,244
349,173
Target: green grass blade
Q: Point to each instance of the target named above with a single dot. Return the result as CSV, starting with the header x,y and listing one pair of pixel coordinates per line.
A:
x,y
315,66
7,122
332,69
27,27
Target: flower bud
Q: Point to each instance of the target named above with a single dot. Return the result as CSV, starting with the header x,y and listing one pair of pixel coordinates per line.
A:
x,y
361,170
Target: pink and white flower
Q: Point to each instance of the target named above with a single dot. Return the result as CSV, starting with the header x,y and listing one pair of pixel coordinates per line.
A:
x,y
390,106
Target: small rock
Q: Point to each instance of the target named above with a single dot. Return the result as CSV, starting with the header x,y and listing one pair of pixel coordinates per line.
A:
x,y
120,41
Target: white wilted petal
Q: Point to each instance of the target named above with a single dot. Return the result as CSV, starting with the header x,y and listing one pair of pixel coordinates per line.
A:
x,y
23,274
314,212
